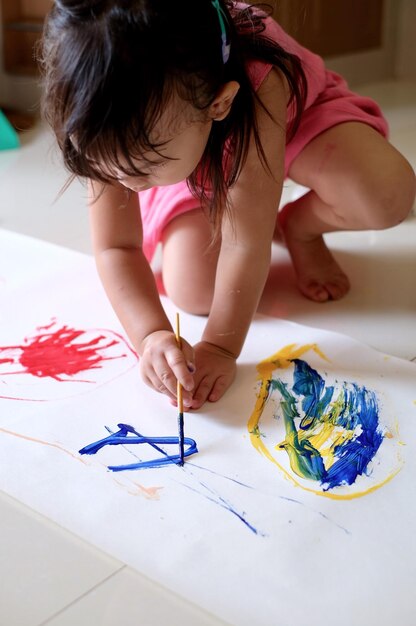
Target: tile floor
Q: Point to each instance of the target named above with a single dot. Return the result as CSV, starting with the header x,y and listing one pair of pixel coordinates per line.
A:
x,y
50,576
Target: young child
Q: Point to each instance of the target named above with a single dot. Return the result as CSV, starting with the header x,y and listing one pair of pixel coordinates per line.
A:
x,y
185,116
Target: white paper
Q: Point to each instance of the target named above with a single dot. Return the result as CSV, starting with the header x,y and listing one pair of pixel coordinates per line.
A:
x,y
235,530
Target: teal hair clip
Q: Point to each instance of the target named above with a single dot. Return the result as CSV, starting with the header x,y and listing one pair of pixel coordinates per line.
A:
x,y
225,49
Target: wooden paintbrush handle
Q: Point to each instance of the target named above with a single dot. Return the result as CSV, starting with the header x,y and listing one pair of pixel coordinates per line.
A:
x,y
179,344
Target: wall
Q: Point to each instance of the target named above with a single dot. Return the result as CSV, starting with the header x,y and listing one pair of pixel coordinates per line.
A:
x,y
22,92
406,44
395,58
377,64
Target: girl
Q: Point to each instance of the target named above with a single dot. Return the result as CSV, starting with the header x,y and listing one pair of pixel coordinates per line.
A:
x,y
186,116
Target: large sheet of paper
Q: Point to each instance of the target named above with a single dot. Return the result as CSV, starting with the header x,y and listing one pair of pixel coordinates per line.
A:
x,y
299,504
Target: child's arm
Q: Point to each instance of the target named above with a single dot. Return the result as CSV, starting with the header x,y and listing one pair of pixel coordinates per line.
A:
x,y
244,258
129,282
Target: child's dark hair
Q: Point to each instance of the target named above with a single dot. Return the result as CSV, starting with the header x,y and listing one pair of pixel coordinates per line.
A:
x,y
110,67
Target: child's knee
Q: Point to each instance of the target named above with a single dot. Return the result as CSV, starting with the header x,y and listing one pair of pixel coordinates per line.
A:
x,y
190,298
392,195
189,283
189,263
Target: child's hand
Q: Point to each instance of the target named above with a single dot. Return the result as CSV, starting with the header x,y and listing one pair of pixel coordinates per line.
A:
x,y
215,371
162,364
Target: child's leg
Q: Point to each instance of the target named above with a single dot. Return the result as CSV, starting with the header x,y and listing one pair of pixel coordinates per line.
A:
x,y
190,262
358,181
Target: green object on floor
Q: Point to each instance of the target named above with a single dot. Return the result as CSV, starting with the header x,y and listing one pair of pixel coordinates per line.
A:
x,y
9,138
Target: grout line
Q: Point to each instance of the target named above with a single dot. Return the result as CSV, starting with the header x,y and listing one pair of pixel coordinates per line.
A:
x,y
83,595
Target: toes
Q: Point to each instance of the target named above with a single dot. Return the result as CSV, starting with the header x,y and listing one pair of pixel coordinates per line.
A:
x,y
326,290
337,291
314,291
338,286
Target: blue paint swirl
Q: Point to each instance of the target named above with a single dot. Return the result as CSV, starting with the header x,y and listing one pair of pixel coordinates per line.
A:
x,y
353,411
354,455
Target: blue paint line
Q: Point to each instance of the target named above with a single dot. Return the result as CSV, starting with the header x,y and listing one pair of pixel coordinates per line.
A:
x,y
225,505
210,471
122,437
346,531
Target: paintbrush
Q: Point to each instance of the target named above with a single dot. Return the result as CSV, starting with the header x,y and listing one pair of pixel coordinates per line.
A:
x,y
180,399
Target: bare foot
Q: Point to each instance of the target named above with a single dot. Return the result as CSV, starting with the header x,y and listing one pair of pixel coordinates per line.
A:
x,y
319,276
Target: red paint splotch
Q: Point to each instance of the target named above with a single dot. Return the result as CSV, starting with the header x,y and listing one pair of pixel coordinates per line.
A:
x,y
63,352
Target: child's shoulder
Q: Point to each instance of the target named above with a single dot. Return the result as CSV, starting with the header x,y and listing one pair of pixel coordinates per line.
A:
x,y
312,64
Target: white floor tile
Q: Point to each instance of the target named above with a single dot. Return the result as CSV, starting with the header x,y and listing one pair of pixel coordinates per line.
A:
x,y
31,179
43,568
129,599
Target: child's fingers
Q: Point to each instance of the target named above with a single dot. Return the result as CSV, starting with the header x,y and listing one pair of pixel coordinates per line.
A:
x,y
165,374
180,368
202,392
156,384
211,389
163,363
219,388
189,355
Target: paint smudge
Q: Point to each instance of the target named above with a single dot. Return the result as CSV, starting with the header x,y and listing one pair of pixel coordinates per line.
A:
x,y
61,354
42,442
333,433
127,435
136,489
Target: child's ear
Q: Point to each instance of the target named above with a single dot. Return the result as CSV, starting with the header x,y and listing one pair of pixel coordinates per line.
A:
x,y
224,99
